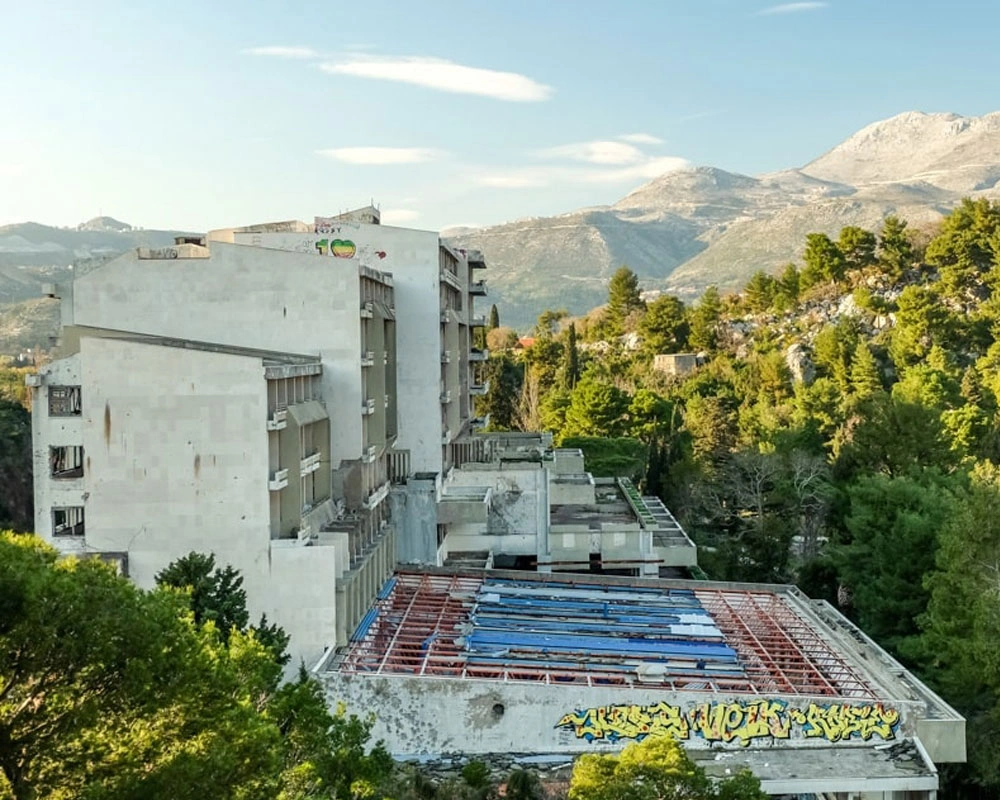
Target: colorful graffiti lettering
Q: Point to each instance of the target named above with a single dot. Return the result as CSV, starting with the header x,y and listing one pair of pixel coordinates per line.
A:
x,y
340,248
837,722
728,722
343,248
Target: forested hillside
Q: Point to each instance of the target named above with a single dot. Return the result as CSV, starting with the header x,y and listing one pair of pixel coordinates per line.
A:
x,y
841,432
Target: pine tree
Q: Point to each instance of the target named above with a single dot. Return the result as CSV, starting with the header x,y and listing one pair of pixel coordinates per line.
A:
x,y
494,321
760,291
857,246
623,297
823,259
705,319
895,253
865,378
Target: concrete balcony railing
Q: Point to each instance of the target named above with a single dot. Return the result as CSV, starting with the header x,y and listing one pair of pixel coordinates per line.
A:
x,y
446,396
479,388
309,464
377,496
278,481
367,407
478,288
477,322
480,421
369,455
475,354
446,316
446,437
449,277
368,358
278,419
476,260
367,310
446,356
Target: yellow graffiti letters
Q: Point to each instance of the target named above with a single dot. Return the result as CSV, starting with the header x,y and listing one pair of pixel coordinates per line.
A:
x,y
742,722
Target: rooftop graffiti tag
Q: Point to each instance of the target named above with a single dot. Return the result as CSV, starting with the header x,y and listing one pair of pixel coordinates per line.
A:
x,y
742,722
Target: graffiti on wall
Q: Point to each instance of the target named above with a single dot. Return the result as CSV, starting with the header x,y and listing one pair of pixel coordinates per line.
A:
x,y
341,248
742,722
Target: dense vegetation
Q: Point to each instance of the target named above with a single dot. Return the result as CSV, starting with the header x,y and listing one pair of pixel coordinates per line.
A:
x,y
842,432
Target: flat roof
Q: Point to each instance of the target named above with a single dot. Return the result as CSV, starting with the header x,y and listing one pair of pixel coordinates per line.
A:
x,y
594,630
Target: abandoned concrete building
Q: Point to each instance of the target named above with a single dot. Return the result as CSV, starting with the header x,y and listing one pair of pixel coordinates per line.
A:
x,y
299,399
534,669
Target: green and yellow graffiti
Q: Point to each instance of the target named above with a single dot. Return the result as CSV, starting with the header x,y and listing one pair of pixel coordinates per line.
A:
x,y
743,722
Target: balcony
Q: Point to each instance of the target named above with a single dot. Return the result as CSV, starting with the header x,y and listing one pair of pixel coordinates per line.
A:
x,y
446,437
480,422
278,480
367,310
446,357
478,288
476,260
368,358
446,316
477,322
309,464
446,396
377,496
475,354
367,407
278,419
387,399
479,388
369,455
449,277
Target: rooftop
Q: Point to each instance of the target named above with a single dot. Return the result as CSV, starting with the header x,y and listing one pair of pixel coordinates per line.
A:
x,y
587,630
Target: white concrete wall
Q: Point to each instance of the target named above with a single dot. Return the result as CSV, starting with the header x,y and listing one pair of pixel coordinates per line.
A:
x,y
412,258
441,715
49,431
175,461
246,297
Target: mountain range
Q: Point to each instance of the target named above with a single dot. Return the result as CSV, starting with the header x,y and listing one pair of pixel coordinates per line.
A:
x,y
693,227
679,232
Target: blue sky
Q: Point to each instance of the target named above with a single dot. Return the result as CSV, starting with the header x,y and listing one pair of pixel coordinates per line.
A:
x,y
204,114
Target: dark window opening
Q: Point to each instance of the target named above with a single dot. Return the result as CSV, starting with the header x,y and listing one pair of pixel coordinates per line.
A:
x,y
66,462
67,521
64,401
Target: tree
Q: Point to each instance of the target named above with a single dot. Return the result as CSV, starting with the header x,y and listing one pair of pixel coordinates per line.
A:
x,y
963,616
788,287
571,360
895,253
524,785
664,327
16,490
760,292
494,320
217,595
595,409
823,261
857,246
501,338
705,320
656,768
963,250
893,523
865,377
500,402
623,298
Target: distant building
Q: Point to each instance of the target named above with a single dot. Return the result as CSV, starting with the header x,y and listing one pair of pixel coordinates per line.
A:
x,y
675,363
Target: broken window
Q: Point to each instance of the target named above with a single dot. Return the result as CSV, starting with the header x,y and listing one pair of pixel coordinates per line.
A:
x,y
64,401
66,461
67,521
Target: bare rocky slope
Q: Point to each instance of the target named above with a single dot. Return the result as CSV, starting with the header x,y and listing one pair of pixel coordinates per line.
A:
x,y
687,229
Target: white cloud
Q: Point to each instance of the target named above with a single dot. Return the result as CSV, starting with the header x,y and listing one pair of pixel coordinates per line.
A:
x,y
446,76
395,216
641,138
280,51
791,8
600,152
381,155
538,177
651,168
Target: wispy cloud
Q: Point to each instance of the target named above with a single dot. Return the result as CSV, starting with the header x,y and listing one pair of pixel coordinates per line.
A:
x,y
281,51
395,216
791,8
598,152
381,155
641,138
445,76
543,176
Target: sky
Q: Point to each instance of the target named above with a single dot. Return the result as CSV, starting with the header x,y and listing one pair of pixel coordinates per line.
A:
x,y
195,115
